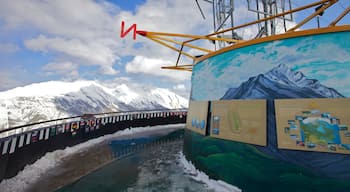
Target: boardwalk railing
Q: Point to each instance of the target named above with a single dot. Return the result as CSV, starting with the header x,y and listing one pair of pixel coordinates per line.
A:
x,y
23,145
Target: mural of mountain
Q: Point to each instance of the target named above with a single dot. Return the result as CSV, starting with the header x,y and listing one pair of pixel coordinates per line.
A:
x,y
279,83
56,99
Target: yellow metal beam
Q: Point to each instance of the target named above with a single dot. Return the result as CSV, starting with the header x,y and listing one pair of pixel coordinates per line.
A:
x,y
192,36
159,36
171,47
180,43
188,65
177,68
345,12
319,11
265,19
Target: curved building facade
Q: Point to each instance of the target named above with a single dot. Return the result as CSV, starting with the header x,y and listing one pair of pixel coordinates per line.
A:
x,y
273,113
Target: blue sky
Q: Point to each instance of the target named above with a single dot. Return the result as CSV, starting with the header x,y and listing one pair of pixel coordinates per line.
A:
x,y
75,39
128,5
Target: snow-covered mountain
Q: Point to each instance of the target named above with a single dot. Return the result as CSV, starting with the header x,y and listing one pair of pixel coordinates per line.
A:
x,y
55,99
281,82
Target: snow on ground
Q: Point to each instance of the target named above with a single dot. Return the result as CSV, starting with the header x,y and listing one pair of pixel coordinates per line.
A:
x,y
216,185
33,172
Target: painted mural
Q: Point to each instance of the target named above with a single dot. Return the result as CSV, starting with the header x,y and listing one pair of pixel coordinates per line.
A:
x,y
303,67
247,168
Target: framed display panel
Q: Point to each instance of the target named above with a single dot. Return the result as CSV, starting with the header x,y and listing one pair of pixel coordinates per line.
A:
x,y
197,116
313,124
239,120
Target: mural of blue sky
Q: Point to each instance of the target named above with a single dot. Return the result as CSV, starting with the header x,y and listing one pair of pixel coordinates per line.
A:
x,y
323,57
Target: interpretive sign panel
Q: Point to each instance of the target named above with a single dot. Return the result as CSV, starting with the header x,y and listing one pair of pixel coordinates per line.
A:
x,y
239,120
313,124
197,116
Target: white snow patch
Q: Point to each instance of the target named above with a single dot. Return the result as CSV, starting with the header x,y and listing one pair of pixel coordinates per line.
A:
x,y
168,99
216,185
3,115
126,94
32,173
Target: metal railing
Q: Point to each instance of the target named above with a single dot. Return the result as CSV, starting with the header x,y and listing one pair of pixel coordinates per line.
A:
x,y
36,125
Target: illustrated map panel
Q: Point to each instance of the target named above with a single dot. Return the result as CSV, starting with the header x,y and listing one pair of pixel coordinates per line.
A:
x,y
239,120
314,124
197,116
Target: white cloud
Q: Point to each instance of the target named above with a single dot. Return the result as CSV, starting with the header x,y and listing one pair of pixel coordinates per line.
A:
x,y
178,16
152,66
66,69
78,18
85,31
65,66
89,52
169,16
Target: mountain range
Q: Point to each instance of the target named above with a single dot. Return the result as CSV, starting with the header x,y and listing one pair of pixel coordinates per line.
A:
x,y
279,83
56,99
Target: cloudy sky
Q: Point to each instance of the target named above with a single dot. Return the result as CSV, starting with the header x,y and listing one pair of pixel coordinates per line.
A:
x,y
42,40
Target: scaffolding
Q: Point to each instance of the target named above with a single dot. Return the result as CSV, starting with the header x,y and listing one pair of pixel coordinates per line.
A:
x,y
269,14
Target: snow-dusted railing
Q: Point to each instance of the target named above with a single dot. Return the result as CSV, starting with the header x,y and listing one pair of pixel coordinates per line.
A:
x,y
23,145
109,117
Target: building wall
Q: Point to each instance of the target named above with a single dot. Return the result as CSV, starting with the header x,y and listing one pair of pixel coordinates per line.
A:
x,y
312,67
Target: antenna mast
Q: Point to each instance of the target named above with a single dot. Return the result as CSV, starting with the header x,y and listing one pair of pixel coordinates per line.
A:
x,y
223,17
267,8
